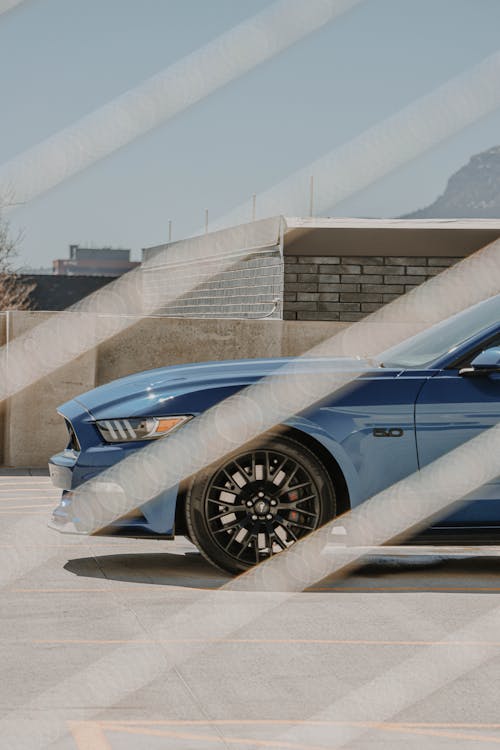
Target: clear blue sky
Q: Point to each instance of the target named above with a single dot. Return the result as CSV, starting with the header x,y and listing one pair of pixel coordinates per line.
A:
x,y
60,59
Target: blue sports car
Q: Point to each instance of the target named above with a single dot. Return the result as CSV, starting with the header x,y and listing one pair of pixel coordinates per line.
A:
x,y
427,395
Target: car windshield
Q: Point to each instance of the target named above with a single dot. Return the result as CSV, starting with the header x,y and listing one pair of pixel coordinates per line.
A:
x,y
426,347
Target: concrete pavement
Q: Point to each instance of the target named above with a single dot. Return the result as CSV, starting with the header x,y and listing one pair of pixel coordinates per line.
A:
x,y
266,684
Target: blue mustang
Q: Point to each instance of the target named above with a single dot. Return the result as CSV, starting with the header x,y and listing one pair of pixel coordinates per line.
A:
x,y
427,395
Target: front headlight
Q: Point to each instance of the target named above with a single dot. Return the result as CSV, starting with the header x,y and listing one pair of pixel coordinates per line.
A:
x,y
138,428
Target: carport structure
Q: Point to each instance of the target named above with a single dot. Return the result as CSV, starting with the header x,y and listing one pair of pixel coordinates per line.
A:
x,y
318,269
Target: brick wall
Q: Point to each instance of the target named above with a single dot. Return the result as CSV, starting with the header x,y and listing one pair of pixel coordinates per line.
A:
x,y
348,288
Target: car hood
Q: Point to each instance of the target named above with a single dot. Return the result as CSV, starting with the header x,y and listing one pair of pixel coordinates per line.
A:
x,y
156,391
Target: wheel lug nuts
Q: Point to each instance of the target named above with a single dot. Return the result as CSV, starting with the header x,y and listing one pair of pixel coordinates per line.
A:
x,y
261,494
254,517
249,503
274,502
269,517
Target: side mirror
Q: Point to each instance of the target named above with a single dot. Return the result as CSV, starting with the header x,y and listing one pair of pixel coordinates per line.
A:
x,y
485,363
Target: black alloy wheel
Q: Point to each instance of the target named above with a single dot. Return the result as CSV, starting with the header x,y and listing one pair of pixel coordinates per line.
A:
x,y
258,502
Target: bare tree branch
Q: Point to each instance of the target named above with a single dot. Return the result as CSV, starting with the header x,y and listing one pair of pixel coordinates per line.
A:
x,y
14,292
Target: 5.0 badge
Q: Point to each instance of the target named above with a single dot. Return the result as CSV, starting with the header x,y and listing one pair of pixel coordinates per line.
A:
x,y
388,432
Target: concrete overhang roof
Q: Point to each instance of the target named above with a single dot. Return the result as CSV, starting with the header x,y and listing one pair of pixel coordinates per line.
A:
x,y
397,237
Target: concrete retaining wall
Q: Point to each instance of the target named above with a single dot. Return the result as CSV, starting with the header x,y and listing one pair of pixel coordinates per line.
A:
x,y
32,429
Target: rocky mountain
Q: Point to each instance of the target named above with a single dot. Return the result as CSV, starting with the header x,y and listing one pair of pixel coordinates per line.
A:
x,y
472,192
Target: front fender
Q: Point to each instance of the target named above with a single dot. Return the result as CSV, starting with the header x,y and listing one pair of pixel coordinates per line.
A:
x,y
336,451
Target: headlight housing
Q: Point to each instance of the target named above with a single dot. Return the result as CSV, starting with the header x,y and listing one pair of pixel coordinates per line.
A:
x,y
138,428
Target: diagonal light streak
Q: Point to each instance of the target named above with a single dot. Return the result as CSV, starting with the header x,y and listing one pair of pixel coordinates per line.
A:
x,y
6,5
165,95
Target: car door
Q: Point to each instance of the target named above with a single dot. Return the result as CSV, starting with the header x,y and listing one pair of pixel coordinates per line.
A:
x,y
449,410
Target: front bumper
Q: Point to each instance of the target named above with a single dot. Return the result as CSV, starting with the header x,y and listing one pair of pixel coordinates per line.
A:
x,y
61,471
72,468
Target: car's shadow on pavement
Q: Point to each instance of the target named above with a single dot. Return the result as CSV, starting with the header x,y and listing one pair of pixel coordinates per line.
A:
x,y
379,574
189,570
418,573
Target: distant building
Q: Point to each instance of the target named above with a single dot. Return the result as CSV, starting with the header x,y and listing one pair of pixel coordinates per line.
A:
x,y
32,271
90,261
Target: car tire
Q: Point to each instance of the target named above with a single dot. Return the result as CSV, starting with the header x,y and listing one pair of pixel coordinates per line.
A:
x,y
258,501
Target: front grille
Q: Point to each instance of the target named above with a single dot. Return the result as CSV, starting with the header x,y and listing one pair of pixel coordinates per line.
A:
x,y
73,440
